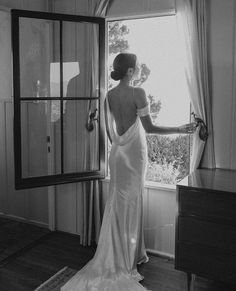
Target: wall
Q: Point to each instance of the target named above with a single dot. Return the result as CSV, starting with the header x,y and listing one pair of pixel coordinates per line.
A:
x,y
37,5
133,8
27,205
222,61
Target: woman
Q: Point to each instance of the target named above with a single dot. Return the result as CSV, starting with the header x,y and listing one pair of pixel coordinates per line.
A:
x,y
121,245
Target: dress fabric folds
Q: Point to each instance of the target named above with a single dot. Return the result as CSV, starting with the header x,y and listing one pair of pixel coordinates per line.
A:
x,y
121,242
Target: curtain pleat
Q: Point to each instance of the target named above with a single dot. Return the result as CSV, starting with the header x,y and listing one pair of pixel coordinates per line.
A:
x,y
92,218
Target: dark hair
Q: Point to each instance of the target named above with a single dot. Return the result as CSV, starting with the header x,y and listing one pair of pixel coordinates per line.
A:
x,y
121,64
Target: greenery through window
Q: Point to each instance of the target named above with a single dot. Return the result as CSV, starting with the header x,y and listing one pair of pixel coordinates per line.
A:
x,y
160,59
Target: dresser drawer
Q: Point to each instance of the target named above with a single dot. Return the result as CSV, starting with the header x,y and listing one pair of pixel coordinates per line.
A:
x,y
207,233
218,205
211,263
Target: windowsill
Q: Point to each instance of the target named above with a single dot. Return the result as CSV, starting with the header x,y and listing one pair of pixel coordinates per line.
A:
x,y
152,185
160,186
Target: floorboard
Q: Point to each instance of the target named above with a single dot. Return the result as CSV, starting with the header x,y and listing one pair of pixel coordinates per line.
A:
x,y
43,258
15,236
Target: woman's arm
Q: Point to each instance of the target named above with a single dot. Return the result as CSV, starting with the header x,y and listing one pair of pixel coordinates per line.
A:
x,y
150,128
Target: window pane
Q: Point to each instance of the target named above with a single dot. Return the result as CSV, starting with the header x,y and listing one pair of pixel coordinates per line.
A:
x,y
40,138
80,59
81,143
56,62
39,48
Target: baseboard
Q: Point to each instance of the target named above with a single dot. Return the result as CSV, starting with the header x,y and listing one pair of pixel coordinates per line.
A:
x,y
160,254
21,219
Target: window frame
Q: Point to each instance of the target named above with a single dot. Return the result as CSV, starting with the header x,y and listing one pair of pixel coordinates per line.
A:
x,y
47,180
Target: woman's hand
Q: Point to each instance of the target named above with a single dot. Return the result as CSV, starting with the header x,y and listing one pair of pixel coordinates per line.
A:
x,y
188,128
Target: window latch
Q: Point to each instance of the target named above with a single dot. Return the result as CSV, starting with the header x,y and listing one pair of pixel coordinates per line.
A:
x,y
92,117
203,131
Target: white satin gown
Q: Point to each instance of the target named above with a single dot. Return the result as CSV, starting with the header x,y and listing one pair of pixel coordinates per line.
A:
x,y
121,242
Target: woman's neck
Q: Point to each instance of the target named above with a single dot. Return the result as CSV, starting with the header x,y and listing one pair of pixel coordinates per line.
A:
x,y
125,82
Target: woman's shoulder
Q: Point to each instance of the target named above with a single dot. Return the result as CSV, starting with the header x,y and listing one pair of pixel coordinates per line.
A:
x,y
136,94
140,97
139,91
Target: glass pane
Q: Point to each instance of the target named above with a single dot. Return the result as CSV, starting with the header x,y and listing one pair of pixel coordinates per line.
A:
x,y
81,137
39,51
40,138
80,59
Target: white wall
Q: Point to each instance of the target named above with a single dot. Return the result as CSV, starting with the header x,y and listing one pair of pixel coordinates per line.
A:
x,y
27,205
38,5
133,8
222,52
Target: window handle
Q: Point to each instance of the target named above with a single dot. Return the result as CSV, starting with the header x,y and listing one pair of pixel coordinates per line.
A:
x,y
92,117
203,131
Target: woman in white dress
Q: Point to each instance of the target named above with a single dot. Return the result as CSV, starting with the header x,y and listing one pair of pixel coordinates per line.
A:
x,y
121,244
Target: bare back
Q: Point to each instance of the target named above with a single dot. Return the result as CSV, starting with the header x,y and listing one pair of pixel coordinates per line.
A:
x,y
123,107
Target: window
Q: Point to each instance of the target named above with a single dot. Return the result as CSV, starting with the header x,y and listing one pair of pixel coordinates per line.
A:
x,y
160,56
58,75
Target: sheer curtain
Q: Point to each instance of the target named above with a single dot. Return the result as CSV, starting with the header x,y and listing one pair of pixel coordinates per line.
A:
x,y
192,24
91,217
81,145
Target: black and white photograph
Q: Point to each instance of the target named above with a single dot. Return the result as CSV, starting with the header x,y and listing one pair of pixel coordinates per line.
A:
x,y
117,145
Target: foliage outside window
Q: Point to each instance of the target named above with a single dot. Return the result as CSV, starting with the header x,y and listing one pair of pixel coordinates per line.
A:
x,y
168,156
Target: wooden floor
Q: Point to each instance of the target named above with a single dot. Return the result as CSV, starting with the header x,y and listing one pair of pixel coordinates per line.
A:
x,y
16,235
28,268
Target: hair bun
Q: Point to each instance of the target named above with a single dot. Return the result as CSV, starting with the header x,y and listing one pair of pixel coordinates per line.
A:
x,y
116,75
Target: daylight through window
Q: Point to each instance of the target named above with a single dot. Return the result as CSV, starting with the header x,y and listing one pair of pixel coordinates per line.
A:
x,y
160,57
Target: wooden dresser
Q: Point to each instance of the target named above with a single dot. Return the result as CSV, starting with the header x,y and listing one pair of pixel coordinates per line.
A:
x,y
205,242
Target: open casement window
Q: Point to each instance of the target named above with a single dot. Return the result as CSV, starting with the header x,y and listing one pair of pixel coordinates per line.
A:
x,y
58,77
